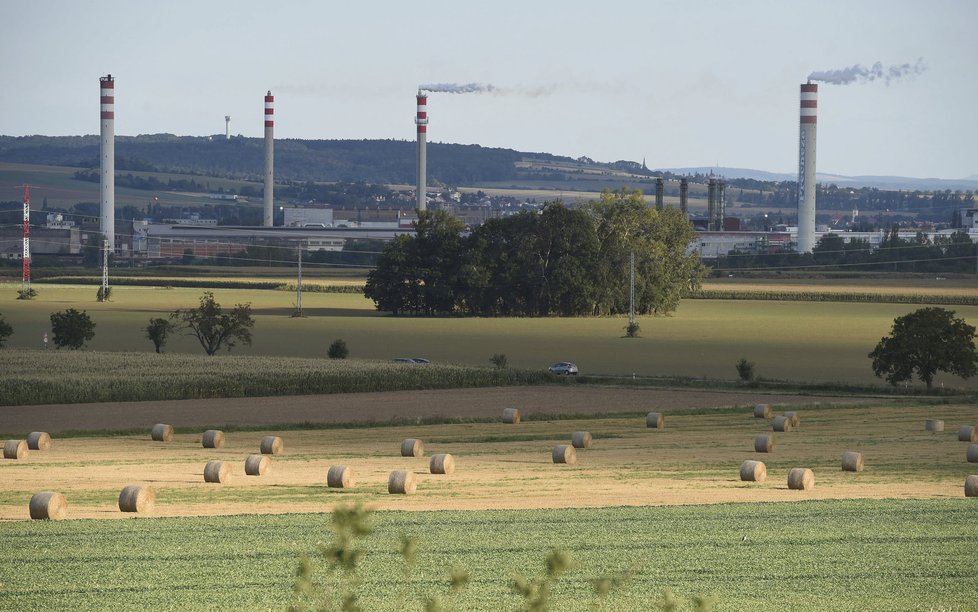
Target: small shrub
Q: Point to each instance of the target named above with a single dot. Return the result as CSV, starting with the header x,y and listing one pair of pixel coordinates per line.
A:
x,y
632,330
157,331
338,349
745,369
5,330
499,360
103,294
26,294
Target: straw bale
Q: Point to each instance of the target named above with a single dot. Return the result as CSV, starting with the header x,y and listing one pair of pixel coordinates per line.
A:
x,y
753,471
852,461
802,479
39,440
933,425
655,420
564,453
511,416
762,411
213,438
781,423
257,465
968,433
272,445
764,444
581,439
137,498
401,481
15,449
339,477
412,447
48,505
162,432
442,464
217,471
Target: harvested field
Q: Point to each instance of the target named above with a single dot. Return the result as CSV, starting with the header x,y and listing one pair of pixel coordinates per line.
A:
x,y
694,461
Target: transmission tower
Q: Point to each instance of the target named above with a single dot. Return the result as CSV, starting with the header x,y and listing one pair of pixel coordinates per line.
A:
x,y
26,279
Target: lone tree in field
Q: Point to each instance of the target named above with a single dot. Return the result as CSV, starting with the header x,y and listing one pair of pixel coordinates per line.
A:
x,y
338,349
71,328
158,330
213,327
926,341
5,330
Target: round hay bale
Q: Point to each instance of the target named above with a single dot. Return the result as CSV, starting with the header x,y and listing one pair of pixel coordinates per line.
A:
x,y
793,417
162,432
213,438
339,477
272,445
763,444
801,479
781,423
257,465
401,481
967,433
137,498
852,461
655,420
933,425
48,505
442,464
762,411
971,486
412,447
39,440
217,471
15,449
564,453
753,471
973,453
511,416
581,439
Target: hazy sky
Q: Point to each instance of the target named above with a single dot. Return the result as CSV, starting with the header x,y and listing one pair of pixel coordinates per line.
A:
x,y
681,83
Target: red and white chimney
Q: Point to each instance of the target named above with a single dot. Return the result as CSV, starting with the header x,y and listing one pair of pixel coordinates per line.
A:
x,y
421,120
806,167
269,215
107,157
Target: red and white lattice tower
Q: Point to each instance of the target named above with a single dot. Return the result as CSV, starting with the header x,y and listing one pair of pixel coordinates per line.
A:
x,y
806,167
26,282
421,120
269,159
107,209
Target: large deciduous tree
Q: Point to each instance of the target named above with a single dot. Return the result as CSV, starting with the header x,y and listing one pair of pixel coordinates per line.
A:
x,y
158,331
926,341
213,327
71,328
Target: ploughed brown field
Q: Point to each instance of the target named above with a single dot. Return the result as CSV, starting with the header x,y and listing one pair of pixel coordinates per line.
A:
x,y
694,459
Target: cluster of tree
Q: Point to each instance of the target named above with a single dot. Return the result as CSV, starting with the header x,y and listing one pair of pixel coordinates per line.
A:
x,y
344,193
559,261
954,253
149,183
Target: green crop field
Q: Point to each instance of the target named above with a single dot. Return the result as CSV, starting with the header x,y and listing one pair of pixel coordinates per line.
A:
x,y
797,341
824,555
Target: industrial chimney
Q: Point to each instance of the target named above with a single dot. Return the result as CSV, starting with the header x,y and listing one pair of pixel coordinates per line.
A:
x,y
684,196
107,208
227,127
806,168
421,120
658,194
269,159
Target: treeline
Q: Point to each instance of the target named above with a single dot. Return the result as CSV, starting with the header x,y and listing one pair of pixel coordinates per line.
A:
x,y
559,261
945,254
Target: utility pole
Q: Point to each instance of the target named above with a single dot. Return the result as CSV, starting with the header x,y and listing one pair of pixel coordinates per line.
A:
x,y
26,279
105,271
298,285
631,292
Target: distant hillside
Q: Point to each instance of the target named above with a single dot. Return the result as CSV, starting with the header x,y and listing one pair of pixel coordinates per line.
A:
x,y
879,182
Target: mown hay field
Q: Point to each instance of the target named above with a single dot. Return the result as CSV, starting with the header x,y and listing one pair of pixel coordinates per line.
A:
x,y
798,341
667,503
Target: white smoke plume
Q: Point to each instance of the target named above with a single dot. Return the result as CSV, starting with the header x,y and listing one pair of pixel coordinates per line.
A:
x,y
457,88
862,74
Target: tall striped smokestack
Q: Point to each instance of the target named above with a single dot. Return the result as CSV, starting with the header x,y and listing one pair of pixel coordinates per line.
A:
x,y
269,159
421,120
806,168
107,208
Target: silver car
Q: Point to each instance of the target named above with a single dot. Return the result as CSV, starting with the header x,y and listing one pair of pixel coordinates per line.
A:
x,y
563,368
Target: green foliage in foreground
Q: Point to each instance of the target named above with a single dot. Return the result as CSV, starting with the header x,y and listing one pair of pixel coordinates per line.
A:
x,y
826,555
57,377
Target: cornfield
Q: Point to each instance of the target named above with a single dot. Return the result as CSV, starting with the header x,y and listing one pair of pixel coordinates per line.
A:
x,y
59,377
